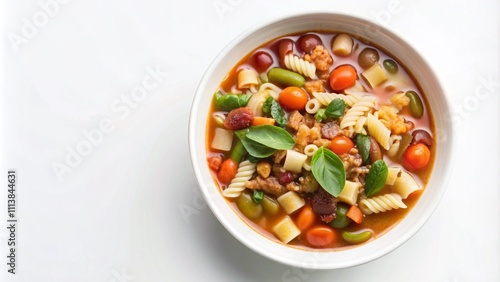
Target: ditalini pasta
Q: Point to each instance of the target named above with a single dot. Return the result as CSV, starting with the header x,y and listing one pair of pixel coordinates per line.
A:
x,y
320,131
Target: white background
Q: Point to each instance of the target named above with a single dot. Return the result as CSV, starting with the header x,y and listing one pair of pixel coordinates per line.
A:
x,y
117,213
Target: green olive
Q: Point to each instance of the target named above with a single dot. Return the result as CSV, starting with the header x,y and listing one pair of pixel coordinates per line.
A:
x,y
416,106
368,57
356,238
390,66
247,206
270,205
341,220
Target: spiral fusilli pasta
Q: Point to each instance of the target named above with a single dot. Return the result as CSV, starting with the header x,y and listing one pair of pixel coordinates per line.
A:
x,y
360,108
381,203
378,131
394,147
359,127
299,65
237,185
325,98
272,88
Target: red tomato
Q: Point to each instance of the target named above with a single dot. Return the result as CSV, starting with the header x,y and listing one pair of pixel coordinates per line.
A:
x,y
293,98
417,156
341,145
320,236
343,77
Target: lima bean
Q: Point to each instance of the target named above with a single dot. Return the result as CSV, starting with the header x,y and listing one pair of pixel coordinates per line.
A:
x,y
416,106
247,206
356,238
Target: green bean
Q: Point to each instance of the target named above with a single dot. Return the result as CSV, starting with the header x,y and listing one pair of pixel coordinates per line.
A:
x,y
286,77
238,151
356,238
270,205
390,66
416,107
341,220
247,206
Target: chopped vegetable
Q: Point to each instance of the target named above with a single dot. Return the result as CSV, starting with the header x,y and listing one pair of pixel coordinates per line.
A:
x,y
320,236
320,115
238,151
247,206
293,98
263,120
390,66
258,195
355,214
273,108
416,106
356,238
341,220
270,205
305,218
343,77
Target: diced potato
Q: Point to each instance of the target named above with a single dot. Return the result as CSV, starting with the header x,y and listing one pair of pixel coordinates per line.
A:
x,y
291,201
286,230
223,139
294,161
375,75
350,192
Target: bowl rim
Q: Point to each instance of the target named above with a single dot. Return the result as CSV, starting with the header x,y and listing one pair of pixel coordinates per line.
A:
x,y
289,260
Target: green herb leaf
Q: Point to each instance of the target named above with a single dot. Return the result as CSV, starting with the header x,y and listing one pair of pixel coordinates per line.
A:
x,y
363,144
335,108
273,109
375,180
271,136
320,115
328,170
258,195
253,148
230,101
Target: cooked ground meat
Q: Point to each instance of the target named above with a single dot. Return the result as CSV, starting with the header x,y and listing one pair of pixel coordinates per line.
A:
x,y
320,57
352,164
269,185
322,143
308,183
324,204
301,138
294,120
330,130
278,156
309,120
314,86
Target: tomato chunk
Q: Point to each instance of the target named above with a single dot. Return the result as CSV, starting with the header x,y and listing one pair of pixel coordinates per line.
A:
x,y
343,77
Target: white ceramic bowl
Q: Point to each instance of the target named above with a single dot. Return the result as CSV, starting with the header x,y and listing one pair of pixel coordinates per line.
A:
x,y
381,37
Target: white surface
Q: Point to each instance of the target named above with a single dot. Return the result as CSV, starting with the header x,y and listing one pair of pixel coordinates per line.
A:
x,y
117,215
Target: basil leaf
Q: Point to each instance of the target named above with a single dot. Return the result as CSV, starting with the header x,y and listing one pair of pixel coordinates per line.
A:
x,y
328,170
230,101
363,144
271,136
258,195
320,115
253,148
273,109
335,108
375,180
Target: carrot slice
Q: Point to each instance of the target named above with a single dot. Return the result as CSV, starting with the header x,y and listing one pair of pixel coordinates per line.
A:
x,y
262,121
305,218
355,214
320,236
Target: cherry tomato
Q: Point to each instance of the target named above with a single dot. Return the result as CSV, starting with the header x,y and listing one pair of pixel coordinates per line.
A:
x,y
320,236
417,156
293,98
341,145
262,61
343,77
227,171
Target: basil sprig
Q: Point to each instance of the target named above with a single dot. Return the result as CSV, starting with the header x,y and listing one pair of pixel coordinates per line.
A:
x,y
273,109
264,140
230,101
376,178
328,170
